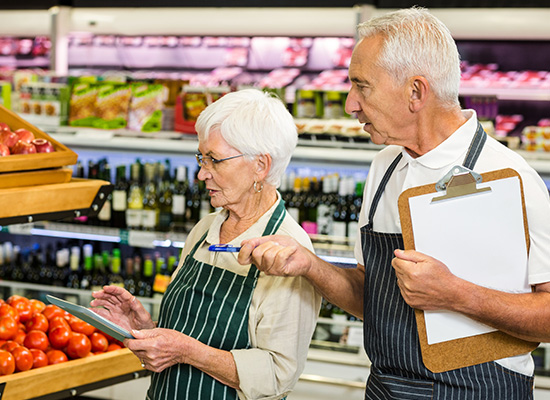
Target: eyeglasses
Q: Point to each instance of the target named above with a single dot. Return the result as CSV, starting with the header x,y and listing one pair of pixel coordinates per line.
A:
x,y
207,161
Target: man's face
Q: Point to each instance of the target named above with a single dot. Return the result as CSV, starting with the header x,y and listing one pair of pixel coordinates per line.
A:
x,y
377,101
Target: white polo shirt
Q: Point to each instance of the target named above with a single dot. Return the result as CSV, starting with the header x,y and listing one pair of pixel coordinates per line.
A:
x,y
431,167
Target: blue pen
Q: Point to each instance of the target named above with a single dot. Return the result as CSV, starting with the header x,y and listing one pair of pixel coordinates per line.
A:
x,y
225,248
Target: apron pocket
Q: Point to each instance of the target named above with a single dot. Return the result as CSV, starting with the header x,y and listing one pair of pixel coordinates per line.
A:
x,y
397,387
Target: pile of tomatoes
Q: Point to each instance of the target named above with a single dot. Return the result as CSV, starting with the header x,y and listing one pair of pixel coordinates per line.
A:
x,y
33,335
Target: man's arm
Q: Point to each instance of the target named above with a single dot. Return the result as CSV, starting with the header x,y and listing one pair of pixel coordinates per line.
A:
x,y
283,256
427,284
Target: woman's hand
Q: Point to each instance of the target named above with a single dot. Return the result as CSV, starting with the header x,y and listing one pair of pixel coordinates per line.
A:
x,y
158,348
122,308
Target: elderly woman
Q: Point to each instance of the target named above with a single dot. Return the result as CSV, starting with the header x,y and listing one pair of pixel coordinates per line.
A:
x,y
226,330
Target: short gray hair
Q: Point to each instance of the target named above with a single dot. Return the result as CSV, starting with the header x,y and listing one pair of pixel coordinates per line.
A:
x,y
417,43
253,122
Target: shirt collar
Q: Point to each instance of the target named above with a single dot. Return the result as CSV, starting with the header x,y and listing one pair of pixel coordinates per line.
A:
x,y
449,151
256,230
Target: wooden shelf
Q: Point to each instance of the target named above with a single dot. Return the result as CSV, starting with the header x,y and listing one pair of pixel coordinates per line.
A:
x,y
53,201
71,378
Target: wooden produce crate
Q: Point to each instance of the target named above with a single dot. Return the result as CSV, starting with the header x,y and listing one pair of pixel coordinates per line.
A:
x,y
38,177
51,201
62,156
72,374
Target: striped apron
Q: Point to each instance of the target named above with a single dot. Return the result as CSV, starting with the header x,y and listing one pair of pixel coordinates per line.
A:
x,y
210,304
390,333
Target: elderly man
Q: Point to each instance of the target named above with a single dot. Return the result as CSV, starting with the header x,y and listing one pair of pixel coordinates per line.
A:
x,y
405,76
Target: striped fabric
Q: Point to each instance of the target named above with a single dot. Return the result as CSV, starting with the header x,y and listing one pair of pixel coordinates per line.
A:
x,y
390,332
211,305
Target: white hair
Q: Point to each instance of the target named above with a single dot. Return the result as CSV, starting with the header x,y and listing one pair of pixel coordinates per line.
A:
x,y
417,43
255,123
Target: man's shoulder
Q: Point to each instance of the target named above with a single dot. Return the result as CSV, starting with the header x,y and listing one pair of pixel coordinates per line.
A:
x,y
386,156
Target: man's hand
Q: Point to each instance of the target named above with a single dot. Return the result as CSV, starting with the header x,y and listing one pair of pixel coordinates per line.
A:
x,y
425,283
276,255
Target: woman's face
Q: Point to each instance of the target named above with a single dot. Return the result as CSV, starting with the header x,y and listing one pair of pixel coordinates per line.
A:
x,y
229,183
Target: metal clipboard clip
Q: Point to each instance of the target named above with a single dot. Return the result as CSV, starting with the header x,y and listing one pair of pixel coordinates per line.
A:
x,y
459,181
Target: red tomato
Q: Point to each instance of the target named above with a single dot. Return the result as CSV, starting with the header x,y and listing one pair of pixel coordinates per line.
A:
x,y
40,359
80,326
37,306
20,337
79,346
10,345
58,321
23,358
37,340
38,322
21,304
60,336
8,327
56,356
52,310
99,342
6,309
114,346
7,363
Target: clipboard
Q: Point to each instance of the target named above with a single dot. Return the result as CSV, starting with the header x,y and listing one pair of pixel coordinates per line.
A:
x,y
466,188
103,324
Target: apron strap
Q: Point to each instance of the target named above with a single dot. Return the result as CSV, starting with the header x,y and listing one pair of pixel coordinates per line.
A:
x,y
382,186
476,145
272,226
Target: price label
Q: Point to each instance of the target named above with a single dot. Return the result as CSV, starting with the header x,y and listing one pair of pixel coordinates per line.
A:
x,y
92,134
141,239
21,229
355,336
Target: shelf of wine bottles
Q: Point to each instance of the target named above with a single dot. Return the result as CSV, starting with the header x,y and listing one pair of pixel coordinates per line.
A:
x,y
154,203
83,266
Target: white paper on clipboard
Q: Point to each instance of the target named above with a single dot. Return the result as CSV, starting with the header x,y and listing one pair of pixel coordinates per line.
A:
x,y
481,238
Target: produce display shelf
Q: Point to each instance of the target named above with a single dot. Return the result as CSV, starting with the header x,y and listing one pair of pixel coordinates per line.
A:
x,y
61,157
78,197
69,379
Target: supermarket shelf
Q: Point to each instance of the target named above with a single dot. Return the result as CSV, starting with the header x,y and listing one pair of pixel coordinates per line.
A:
x,y
533,94
177,144
330,249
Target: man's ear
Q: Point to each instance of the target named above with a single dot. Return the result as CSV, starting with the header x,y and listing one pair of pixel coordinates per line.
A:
x,y
419,90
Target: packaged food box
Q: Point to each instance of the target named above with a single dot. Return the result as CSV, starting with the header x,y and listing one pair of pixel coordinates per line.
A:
x,y
146,107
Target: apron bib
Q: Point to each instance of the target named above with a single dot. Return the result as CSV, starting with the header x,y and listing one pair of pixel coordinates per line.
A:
x,y
211,305
390,332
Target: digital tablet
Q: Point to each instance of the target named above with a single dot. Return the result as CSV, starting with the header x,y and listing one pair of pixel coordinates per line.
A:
x,y
103,324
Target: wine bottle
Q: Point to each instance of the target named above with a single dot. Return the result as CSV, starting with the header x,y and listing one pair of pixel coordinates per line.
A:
x,y
105,214
86,280
294,200
150,212
166,199
340,214
115,277
145,285
135,199
179,199
129,280
325,208
93,173
119,199
73,279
